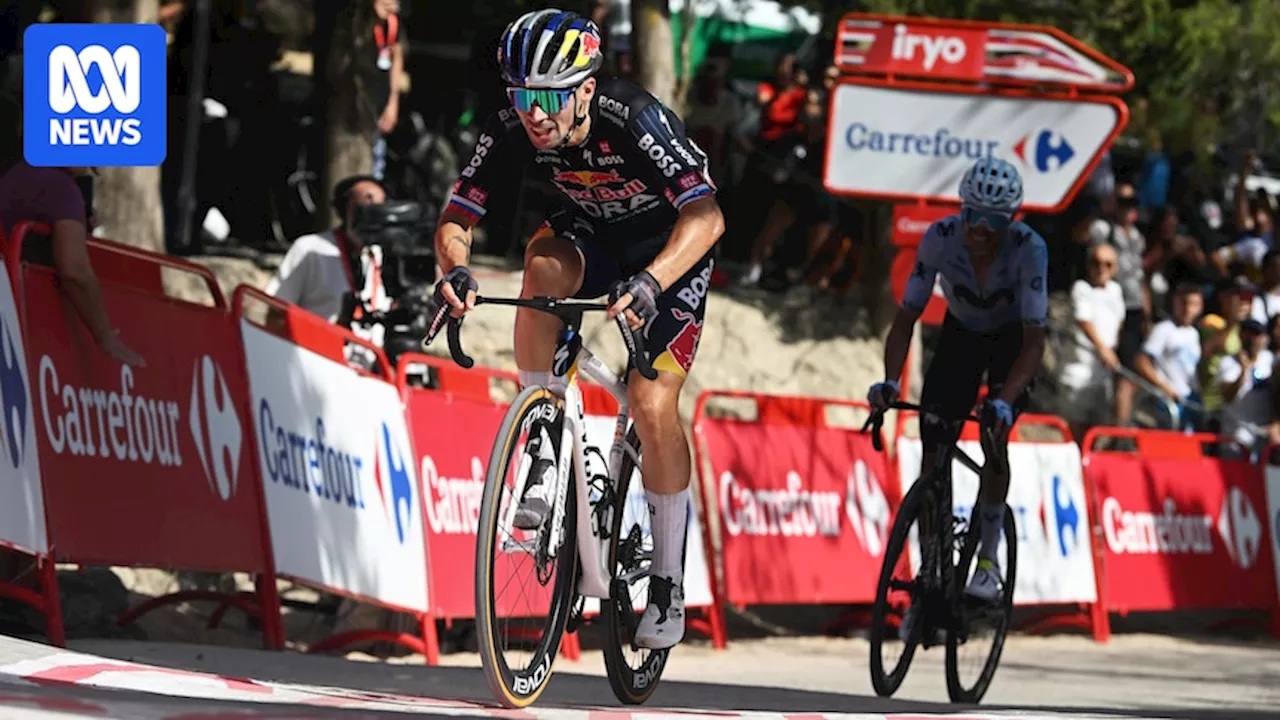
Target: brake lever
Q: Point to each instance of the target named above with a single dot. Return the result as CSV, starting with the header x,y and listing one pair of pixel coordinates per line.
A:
x,y
455,343
638,356
874,423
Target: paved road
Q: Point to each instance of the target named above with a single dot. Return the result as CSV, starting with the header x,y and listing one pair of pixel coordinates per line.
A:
x,y
778,679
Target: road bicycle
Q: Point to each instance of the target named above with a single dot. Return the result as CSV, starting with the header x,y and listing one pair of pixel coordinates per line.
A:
x,y
936,601
593,545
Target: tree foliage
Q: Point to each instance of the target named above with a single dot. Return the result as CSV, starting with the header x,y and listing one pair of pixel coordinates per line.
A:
x,y
1206,70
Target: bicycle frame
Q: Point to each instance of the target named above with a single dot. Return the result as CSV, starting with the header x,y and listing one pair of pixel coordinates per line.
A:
x,y
591,546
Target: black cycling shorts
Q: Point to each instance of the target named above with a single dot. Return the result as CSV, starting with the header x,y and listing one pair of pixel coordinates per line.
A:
x,y
955,375
671,338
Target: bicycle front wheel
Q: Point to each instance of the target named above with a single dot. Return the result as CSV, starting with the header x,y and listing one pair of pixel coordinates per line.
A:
x,y
523,594
978,619
896,596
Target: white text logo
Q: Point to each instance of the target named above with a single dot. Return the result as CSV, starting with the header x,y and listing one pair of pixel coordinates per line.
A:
x,y
950,49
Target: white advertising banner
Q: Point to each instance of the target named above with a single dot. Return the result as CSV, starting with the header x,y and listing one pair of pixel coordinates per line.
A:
x,y
902,144
1046,494
21,496
697,579
338,472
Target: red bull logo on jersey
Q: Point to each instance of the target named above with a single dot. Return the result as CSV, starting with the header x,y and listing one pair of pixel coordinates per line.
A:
x,y
592,186
683,346
586,178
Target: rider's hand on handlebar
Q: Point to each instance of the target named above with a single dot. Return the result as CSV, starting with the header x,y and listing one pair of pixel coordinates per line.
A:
x,y
997,415
457,289
636,298
883,394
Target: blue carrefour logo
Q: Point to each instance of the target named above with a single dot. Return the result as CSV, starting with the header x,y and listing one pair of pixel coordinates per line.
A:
x,y
1044,150
1066,516
13,396
306,460
401,485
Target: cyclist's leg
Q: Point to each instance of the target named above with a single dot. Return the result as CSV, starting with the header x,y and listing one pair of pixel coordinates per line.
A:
x,y
553,265
950,388
995,472
671,340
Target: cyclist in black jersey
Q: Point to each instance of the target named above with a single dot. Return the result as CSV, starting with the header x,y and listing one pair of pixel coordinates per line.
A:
x,y
638,220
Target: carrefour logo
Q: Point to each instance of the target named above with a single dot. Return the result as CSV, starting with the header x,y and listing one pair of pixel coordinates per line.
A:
x,y
401,485
1044,150
1066,517
309,461
13,396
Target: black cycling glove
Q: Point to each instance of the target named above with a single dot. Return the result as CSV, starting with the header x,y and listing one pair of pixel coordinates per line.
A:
x,y
460,279
644,291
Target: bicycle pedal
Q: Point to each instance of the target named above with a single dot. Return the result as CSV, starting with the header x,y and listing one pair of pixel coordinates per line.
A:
x,y
576,615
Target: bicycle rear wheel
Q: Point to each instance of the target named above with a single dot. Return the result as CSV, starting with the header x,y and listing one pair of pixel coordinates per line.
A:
x,y
633,671
974,615
915,513
503,551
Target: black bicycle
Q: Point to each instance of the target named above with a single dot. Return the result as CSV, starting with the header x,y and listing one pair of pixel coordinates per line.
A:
x,y
935,601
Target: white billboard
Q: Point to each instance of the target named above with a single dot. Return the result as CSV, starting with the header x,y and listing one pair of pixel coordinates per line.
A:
x,y
905,144
21,496
338,474
1047,496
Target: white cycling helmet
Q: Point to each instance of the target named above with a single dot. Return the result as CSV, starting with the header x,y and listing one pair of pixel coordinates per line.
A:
x,y
992,184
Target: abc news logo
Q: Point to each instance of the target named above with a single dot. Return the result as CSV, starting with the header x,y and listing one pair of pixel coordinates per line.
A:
x,y
94,94
121,90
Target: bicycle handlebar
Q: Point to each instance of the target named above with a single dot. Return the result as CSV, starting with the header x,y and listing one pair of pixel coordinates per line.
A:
x,y
876,420
564,309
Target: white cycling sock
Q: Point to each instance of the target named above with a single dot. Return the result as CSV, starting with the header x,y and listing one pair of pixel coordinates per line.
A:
x,y
992,518
670,520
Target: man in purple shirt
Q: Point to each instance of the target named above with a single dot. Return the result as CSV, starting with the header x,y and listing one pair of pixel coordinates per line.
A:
x,y
50,196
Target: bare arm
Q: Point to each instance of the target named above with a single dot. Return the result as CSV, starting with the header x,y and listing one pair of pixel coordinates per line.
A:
x,y
898,342
698,228
453,239
1147,370
79,282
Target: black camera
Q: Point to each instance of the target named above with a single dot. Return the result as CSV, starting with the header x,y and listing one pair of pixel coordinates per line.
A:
x,y
404,230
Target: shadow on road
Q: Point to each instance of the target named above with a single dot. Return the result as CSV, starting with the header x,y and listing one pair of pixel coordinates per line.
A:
x,y
567,689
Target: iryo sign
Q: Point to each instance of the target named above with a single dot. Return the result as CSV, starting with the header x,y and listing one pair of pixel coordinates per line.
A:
x,y
953,53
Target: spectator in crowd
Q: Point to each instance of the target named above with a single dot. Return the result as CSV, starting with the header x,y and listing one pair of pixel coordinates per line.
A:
x,y
1098,306
1246,384
712,117
1266,304
1254,228
51,196
1171,353
1117,228
1173,257
375,32
1220,338
321,268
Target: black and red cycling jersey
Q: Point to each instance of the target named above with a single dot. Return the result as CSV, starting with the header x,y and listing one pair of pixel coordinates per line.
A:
x,y
628,180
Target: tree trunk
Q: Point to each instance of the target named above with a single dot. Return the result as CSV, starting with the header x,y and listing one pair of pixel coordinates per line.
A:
x,y
126,200
348,136
688,17
653,49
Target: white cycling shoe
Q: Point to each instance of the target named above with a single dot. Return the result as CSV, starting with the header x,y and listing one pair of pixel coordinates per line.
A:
x,y
535,506
986,582
662,625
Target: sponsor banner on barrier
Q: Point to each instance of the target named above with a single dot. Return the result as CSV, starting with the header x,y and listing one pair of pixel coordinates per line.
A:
x,y
338,473
1047,497
804,512
454,438
1183,534
143,465
903,143
1273,517
21,498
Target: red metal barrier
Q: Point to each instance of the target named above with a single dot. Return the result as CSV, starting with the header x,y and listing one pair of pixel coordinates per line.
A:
x,y
795,495
146,466
1178,526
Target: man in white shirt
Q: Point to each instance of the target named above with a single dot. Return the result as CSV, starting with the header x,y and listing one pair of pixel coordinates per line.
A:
x,y
1246,388
1118,229
1098,304
1266,304
320,267
1172,351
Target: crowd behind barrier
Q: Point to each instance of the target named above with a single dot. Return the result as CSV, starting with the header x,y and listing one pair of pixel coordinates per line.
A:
x,y
250,443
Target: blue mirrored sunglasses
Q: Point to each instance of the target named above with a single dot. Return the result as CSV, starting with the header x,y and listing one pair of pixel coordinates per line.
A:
x,y
523,99
994,219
